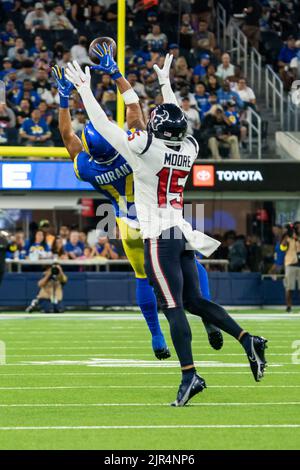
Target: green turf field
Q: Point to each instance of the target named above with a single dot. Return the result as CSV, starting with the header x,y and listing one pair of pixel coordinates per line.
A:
x,y
91,382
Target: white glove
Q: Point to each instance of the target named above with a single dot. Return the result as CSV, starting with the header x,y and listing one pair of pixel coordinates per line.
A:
x,y
164,73
76,76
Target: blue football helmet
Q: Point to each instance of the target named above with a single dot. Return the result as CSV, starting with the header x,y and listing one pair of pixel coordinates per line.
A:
x,y
96,146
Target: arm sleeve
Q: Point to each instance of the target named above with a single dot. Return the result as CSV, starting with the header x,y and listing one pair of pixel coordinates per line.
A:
x,y
110,131
168,94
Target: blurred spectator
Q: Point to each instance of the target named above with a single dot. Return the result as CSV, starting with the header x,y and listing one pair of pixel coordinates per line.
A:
x,y
27,71
279,255
237,255
9,35
46,113
205,40
35,131
202,99
81,11
251,25
287,53
58,248
225,94
79,51
290,245
44,225
216,129
182,70
7,121
226,69
138,87
201,69
7,68
245,93
37,19
192,115
38,248
18,53
236,127
88,253
58,20
65,59
35,50
64,233
156,39
23,111
79,122
74,247
16,95
104,248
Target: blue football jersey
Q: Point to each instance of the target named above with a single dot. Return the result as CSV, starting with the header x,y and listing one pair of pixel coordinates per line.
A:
x,y
114,181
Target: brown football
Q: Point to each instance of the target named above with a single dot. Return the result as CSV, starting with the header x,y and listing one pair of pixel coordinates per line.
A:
x,y
100,41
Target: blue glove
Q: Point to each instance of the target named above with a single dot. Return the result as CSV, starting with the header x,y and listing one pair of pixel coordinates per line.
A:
x,y
107,63
64,86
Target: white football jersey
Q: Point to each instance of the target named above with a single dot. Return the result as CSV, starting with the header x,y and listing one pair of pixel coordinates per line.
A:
x,y
160,174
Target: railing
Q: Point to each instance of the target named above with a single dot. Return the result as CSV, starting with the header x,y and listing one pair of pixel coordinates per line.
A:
x,y
96,262
255,70
239,47
255,131
292,115
221,21
274,94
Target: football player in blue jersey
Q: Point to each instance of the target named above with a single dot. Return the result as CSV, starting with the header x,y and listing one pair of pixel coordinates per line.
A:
x,y
97,162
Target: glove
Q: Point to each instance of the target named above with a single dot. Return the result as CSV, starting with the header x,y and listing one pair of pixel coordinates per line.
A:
x,y
107,62
64,86
76,76
163,74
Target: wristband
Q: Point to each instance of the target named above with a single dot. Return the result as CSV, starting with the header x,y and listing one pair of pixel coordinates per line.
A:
x,y
117,74
130,97
63,101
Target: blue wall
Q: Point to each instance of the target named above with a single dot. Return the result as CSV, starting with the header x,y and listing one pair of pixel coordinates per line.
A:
x,y
100,289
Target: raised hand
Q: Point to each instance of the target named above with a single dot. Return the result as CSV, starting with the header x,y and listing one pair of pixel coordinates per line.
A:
x,y
164,73
75,75
64,86
107,62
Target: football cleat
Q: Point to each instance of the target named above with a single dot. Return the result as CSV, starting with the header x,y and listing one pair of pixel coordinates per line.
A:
x,y
255,348
188,390
215,339
160,347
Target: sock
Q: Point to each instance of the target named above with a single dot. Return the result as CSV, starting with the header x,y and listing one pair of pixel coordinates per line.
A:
x,y
181,335
146,300
246,343
188,374
204,288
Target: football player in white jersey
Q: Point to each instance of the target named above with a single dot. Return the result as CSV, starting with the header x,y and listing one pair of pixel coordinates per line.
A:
x,y
161,159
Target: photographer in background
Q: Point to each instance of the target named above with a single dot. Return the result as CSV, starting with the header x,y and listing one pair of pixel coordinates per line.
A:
x,y
51,285
290,244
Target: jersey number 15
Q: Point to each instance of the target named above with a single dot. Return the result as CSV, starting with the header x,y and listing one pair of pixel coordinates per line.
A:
x,y
168,184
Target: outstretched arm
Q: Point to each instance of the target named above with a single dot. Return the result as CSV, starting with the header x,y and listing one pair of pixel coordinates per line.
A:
x,y
164,80
107,64
70,139
111,132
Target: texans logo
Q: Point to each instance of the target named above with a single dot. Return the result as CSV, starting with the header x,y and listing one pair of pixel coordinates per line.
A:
x,y
157,120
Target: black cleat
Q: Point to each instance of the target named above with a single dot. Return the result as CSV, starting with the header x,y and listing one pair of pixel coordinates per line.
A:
x,y
215,339
162,353
255,349
187,390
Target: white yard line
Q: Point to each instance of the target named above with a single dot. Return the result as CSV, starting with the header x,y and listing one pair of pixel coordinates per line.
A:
x,y
152,373
136,387
96,405
167,426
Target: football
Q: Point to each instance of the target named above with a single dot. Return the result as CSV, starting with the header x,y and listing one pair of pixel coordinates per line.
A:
x,y
100,41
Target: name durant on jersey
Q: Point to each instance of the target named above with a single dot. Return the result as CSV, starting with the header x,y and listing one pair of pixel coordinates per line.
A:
x,y
113,175
176,159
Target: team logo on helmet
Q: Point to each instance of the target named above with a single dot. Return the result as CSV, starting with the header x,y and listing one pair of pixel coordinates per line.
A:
x,y
158,119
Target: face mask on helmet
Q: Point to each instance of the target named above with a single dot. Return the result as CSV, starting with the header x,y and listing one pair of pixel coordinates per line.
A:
x,y
168,122
96,146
